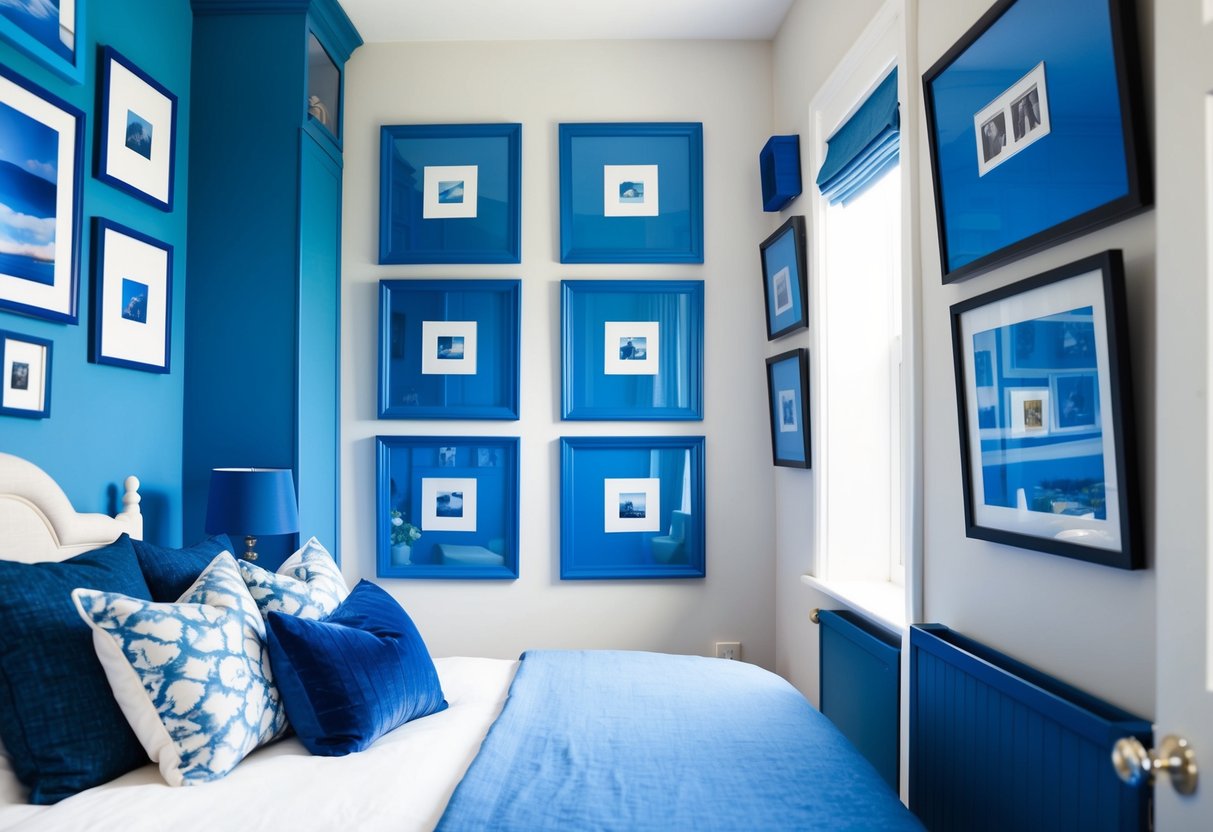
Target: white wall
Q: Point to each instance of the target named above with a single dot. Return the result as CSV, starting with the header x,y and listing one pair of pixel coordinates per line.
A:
x,y
727,86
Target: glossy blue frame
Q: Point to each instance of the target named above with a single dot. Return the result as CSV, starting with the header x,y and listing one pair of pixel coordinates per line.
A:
x,y
785,248
100,226
587,551
493,392
45,412
488,237
476,457
18,27
790,371
587,235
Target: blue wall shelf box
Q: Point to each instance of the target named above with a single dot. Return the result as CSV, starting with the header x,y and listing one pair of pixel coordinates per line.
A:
x,y
779,166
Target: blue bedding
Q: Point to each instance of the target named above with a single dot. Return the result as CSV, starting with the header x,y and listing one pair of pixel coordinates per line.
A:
x,y
643,741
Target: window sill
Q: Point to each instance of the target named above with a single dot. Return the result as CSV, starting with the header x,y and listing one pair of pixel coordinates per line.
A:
x,y
881,602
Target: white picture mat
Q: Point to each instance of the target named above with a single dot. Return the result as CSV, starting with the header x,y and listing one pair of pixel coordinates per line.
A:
x,y
432,209
23,352
614,175
1020,396
1002,104
431,364
431,487
785,425
613,334
131,259
781,285
613,488
129,92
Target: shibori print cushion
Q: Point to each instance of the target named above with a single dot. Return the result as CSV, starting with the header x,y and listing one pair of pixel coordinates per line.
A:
x,y
308,584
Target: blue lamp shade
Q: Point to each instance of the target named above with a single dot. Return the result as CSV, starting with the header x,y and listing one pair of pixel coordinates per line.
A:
x,y
252,501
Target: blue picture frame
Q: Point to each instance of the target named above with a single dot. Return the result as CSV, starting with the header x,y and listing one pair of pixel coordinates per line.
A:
x,y
632,507
631,193
631,350
25,375
449,349
1057,476
785,278
49,36
447,507
788,397
450,193
1036,130
132,298
41,176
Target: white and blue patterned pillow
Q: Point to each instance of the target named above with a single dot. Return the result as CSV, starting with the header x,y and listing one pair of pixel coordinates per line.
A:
x,y
308,584
202,695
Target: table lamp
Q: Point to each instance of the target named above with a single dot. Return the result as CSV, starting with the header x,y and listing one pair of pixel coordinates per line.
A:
x,y
253,502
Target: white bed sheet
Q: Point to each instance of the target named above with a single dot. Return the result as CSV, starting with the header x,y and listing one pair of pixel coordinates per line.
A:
x,y
401,783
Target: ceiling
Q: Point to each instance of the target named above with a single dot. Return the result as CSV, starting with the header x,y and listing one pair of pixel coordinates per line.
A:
x,y
394,21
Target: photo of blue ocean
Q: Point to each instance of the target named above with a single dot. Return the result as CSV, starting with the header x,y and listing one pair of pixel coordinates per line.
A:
x,y
29,153
40,19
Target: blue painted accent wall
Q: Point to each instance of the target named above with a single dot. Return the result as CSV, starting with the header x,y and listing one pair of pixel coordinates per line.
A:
x,y
108,422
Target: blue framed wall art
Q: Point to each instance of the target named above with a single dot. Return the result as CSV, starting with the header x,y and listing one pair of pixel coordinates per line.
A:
x,y
50,31
132,298
788,397
785,278
25,375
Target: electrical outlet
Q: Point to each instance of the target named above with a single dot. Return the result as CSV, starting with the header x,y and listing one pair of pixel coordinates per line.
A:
x,y
728,650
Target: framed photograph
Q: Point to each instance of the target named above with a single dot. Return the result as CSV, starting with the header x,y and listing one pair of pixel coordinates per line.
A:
x,y
631,193
632,349
788,396
631,507
449,349
133,298
447,507
1044,394
25,383
785,279
137,131
41,164
450,193
49,31
1036,130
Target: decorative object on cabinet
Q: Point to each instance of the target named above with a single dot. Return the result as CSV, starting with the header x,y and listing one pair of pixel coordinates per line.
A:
x,y
49,33
788,395
632,349
632,507
779,170
323,87
450,193
137,131
41,163
1044,394
631,193
25,387
133,298
785,278
459,495
1037,131
449,349
253,502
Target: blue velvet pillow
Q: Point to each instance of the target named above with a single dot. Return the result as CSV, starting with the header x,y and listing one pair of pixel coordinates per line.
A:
x,y
351,678
58,718
170,572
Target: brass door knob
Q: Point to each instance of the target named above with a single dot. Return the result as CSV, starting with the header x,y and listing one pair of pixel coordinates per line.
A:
x,y
1135,764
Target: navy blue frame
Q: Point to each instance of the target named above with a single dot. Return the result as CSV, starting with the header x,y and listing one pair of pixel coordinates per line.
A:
x,y
45,412
791,448
19,27
100,227
785,248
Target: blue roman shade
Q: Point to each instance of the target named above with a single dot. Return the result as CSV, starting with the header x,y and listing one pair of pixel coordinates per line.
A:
x,y
864,147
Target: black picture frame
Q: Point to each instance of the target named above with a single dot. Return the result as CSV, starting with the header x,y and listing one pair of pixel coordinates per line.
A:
x,y
785,278
788,397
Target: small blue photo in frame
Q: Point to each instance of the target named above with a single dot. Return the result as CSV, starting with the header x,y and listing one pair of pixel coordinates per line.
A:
x,y
632,349
788,394
51,33
632,507
132,298
784,278
631,193
450,193
447,507
25,386
449,349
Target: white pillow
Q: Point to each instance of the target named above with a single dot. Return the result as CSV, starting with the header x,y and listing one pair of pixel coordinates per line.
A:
x,y
308,584
192,678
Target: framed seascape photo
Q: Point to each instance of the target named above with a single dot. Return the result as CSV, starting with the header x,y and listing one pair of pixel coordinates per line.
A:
x,y
133,298
25,383
631,193
137,131
450,193
447,507
784,278
49,31
632,349
1044,395
1036,129
788,396
41,163
449,349
632,507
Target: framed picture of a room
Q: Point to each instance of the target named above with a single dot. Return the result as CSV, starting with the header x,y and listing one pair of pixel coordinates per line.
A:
x,y
51,33
784,278
788,397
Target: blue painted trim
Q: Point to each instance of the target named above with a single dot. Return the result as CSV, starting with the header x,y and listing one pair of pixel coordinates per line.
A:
x,y
327,14
100,226
45,412
71,70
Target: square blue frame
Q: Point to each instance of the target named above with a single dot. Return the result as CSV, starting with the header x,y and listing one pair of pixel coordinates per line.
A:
x,y
479,540
413,313
788,397
42,39
666,540
601,383
486,229
124,281
594,157
787,292
8,378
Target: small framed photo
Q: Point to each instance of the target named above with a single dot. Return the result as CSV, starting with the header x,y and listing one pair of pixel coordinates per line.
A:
x,y
788,394
632,507
632,349
784,278
631,193
449,349
25,386
136,131
51,33
1044,395
450,193
442,512
133,298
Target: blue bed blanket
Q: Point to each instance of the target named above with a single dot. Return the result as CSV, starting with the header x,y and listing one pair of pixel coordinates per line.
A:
x,y
603,740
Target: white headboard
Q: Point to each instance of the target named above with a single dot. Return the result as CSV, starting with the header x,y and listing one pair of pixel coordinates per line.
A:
x,y
38,523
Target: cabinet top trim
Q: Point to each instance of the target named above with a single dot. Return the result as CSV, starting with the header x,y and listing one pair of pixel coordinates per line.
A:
x,y
327,16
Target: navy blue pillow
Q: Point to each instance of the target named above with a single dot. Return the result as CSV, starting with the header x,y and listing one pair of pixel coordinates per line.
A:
x,y
60,723
351,678
170,572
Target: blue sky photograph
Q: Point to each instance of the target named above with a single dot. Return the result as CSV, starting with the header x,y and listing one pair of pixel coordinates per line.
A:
x,y
40,19
29,152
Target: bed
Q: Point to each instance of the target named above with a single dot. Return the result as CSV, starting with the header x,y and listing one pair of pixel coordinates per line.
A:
x,y
555,740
